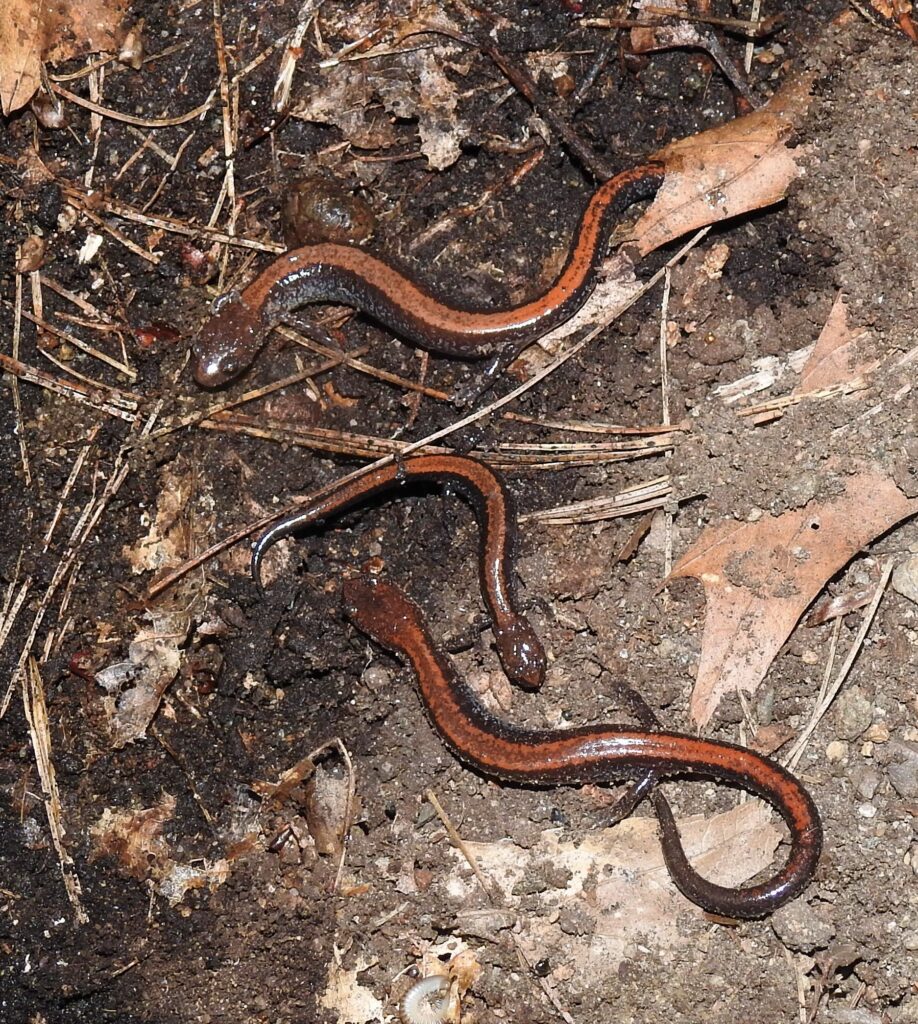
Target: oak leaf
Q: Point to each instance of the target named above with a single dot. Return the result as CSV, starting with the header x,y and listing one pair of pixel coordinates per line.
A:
x,y
736,167
32,31
760,577
833,359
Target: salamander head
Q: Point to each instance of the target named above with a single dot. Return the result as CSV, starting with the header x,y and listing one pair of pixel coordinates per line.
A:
x,y
521,653
384,613
227,342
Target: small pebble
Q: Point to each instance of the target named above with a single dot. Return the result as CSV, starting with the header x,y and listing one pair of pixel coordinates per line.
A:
x,y
866,781
905,578
877,733
854,714
803,928
903,768
837,750
376,678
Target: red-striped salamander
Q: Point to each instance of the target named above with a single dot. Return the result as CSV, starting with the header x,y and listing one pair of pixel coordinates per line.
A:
x,y
594,754
518,646
231,338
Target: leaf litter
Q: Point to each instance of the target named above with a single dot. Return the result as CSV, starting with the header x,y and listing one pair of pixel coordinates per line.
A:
x,y
135,687
612,872
739,568
32,33
759,578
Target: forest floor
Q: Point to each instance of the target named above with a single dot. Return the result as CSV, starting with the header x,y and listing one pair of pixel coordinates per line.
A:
x,y
147,873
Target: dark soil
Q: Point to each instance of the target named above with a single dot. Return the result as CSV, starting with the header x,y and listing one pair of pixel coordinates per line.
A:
x,y
262,681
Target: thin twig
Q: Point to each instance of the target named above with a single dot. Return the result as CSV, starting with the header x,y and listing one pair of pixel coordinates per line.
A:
x,y
68,486
506,455
177,227
796,752
116,404
141,122
651,494
17,401
119,236
196,418
36,711
356,364
665,417
11,608
83,346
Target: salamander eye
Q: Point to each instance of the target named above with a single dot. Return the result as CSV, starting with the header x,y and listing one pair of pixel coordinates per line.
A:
x,y
226,366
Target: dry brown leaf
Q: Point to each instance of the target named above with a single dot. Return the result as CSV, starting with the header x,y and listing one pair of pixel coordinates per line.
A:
x,y
135,687
591,921
347,100
326,810
135,838
32,31
760,577
345,996
410,86
739,166
135,841
833,360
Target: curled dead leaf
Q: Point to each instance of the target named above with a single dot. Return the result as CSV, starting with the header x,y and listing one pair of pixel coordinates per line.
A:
x,y
739,166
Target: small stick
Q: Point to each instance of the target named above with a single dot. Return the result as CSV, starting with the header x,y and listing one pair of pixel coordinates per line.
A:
x,y
361,367
68,486
461,846
520,78
119,236
119,405
796,752
83,346
199,417
177,227
665,418
36,711
141,122
17,400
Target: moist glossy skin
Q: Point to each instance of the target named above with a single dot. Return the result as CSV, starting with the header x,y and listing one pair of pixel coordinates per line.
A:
x,y
595,754
230,340
518,646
